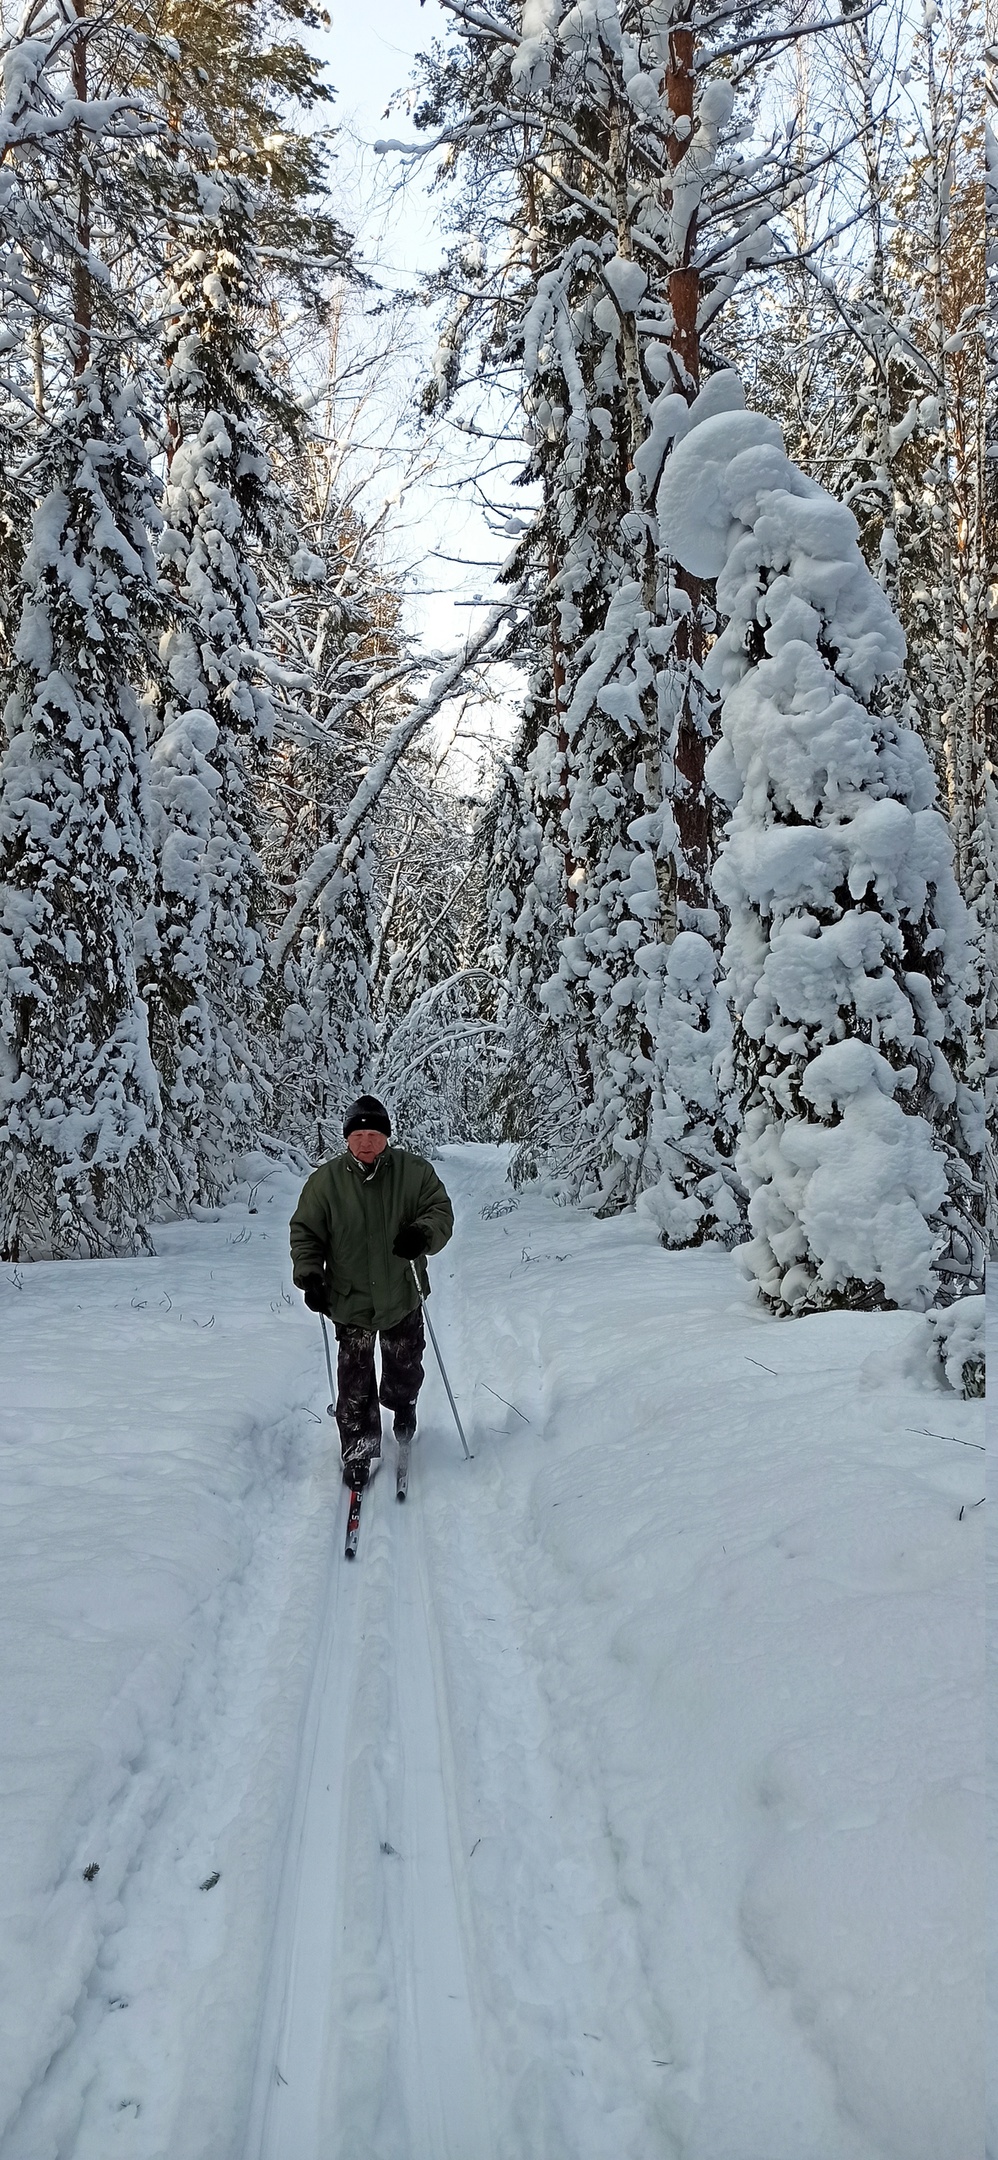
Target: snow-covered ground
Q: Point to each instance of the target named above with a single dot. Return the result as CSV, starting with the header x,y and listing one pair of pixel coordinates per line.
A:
x,y
623,1802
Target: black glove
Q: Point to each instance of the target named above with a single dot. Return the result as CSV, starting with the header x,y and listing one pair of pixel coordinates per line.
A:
x,y
411,1242
313,1290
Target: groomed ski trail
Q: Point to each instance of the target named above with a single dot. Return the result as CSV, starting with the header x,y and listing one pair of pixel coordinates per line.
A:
x,y
368,2038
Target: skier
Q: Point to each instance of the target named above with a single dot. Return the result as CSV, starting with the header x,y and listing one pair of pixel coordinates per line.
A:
x,y
361,1221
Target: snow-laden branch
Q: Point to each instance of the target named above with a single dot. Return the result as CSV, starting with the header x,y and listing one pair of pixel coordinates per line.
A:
x,y
862,322
402,962
27,63
461,134
766,39
329,859
479,18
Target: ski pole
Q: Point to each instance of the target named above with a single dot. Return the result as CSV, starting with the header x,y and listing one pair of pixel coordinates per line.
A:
x,y
443,1369
330,1406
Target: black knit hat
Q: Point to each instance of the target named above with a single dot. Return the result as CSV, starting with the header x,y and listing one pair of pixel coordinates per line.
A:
x,y
367,1114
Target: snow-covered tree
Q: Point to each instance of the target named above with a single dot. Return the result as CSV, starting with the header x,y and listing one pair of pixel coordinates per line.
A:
x,y
329,1033
238,86
694,1114
607,217
873,357
870,353
425,843
333,622
989,820
434,1068
537,1086
849,952
79,1107
206,980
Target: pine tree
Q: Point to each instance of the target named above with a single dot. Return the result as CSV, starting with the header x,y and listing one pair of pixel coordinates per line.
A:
x,y
849,950
238,75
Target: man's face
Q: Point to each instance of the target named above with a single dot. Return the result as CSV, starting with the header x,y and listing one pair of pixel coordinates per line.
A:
x,y
366,1146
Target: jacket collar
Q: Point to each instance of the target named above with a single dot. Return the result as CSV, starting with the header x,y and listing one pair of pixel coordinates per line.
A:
x,y
368,1172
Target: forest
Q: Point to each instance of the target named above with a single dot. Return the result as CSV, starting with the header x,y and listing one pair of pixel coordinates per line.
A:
x,y
539,674
712,933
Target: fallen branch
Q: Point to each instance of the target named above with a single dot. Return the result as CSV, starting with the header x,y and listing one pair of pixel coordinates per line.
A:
x,y
329,859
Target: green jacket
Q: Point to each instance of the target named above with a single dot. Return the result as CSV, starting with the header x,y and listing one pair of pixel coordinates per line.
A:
x,y
346,1222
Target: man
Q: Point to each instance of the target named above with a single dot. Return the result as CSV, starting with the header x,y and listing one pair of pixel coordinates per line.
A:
x,y
361,1221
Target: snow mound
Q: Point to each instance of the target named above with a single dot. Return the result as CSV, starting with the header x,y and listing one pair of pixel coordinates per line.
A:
x,y
947,1349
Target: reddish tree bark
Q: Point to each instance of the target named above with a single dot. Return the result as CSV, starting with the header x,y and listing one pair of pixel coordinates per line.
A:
x,y
690,807
82,293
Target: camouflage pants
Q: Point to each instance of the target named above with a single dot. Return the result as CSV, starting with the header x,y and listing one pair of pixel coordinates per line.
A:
x,y
358,1396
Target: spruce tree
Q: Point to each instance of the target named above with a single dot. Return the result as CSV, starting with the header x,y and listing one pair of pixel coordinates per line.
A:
x,y
79,1108
207,983
849,952
236,82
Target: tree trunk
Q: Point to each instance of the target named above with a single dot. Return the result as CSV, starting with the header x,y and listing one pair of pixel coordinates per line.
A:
x,y
82,289
690,808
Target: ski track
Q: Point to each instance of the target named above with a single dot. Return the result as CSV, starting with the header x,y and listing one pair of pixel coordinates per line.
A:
x,y
532,1902
368,2040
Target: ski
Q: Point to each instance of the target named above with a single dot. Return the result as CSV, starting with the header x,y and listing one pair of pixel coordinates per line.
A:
x,y
402,1470
353,1522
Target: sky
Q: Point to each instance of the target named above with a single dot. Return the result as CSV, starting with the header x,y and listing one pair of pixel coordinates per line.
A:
x,y
370,57
370,50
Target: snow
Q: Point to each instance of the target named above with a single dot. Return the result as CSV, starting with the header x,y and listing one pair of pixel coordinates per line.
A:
x,y
623,1799
856,1132
730,502
856,1191
531,67
627,281
694,505
948,1348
